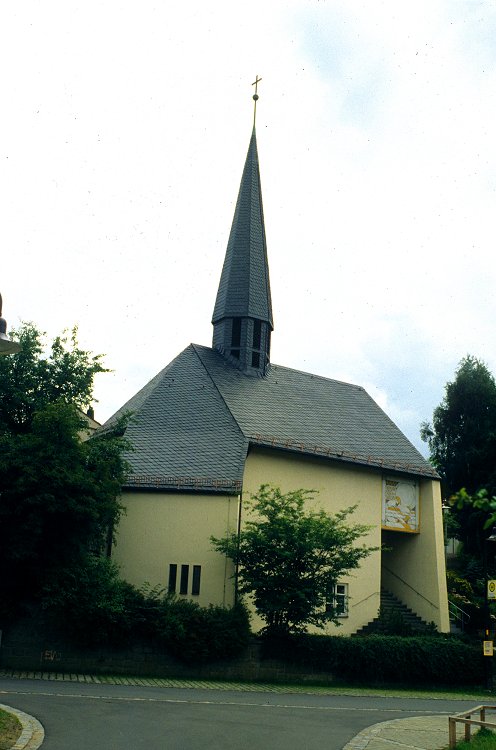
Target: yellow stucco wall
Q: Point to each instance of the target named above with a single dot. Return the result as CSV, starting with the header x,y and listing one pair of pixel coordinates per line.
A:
x,y
163,528
339,486
414,565
415,570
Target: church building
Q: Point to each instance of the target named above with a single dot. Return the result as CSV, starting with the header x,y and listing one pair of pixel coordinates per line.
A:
x,y
217,422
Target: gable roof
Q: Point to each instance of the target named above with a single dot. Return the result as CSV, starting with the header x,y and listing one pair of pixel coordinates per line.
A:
x,y
194,422
244,288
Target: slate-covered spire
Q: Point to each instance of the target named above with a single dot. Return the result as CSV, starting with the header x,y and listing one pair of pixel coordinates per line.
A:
x,y
242,316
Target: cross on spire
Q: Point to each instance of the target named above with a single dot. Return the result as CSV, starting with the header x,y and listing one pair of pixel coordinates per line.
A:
x,y
255,97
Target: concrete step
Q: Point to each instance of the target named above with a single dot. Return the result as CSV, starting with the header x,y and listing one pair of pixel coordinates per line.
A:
x,y
394,615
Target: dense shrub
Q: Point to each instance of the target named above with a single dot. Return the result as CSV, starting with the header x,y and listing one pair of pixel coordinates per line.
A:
x,y
420,660
197,634
91,606
89,603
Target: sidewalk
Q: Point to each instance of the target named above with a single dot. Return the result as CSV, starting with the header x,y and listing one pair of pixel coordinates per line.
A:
x,y
417,733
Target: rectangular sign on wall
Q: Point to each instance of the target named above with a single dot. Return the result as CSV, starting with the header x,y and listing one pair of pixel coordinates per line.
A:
x,y
400,504
491,589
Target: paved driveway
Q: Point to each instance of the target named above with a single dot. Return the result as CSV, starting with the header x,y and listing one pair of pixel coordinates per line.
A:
x,y
110,717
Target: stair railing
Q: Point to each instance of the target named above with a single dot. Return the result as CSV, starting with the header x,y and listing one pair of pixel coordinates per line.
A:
x,y
457,614
410,587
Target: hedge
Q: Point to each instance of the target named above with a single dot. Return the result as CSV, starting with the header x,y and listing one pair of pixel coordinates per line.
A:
x,y
419,660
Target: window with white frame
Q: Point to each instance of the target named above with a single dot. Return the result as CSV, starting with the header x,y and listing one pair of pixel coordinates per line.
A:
x,y
339,604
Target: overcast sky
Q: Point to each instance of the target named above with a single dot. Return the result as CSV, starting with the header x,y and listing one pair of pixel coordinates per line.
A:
x,y
123,135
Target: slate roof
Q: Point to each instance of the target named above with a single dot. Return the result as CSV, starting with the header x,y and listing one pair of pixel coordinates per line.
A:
x,y
194,422
244,289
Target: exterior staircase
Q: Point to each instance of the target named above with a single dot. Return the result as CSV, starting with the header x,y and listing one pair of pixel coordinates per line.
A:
x,y
394,617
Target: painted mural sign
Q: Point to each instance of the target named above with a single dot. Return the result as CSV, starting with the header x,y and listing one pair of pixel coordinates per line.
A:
x,y
400,505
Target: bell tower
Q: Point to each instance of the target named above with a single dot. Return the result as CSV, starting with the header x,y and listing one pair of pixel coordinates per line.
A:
x,y
242,317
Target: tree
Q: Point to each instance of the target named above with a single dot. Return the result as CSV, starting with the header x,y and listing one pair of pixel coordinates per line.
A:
x,y
29,380
462,437
290,559
58,493
462,443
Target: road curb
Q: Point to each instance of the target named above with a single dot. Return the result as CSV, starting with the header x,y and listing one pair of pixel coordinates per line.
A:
x,y
32,734
413,733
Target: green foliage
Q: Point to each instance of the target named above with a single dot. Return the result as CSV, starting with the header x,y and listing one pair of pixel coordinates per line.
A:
x,y
57,493
195,634
462,444
10,730
459,586
94,607
290,558
419,660
462,437
58,500
29,380
483,739
91,603
480,501
392,622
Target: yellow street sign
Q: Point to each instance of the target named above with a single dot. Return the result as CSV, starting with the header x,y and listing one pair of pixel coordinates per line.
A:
x,y
488,648
491,589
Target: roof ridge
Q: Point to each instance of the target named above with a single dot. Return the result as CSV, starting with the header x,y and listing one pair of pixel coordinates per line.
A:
x,y
195,348
274,365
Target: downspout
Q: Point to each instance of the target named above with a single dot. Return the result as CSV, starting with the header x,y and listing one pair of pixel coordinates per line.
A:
x,y
236,570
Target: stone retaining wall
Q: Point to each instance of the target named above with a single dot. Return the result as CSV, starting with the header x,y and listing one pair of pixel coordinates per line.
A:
x,y
27,651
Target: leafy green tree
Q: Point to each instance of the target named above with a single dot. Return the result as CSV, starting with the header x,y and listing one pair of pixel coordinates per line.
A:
x,y
29,380
58,493
462,444
289,558
462,436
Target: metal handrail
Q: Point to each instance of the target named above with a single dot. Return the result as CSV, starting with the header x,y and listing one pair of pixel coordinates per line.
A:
x,y
457,613
464,718
410,587
374,593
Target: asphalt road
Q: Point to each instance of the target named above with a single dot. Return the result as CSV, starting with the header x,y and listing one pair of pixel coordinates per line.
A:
x,y
79,716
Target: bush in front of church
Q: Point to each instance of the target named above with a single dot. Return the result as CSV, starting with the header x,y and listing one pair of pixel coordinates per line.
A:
x,y
93,607
385,659
289,555
196,635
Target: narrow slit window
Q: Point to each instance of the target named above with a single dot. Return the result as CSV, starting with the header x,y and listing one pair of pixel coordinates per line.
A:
x,y
257,333
236,333
172,578
195,586
255,359
183,586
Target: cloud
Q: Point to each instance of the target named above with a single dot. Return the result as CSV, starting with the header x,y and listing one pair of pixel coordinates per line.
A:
x,y
122,154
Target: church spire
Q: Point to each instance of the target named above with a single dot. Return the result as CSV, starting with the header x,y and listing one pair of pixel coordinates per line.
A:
x,y
242,316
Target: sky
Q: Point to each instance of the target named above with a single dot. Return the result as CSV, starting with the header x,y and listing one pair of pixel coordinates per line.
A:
x,y
123,136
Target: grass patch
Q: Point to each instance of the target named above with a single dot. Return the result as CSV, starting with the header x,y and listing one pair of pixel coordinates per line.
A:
x,y
10,729
483,739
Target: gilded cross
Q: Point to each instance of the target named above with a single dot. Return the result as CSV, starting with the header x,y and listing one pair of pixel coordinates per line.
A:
x,y
255,83
255,97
